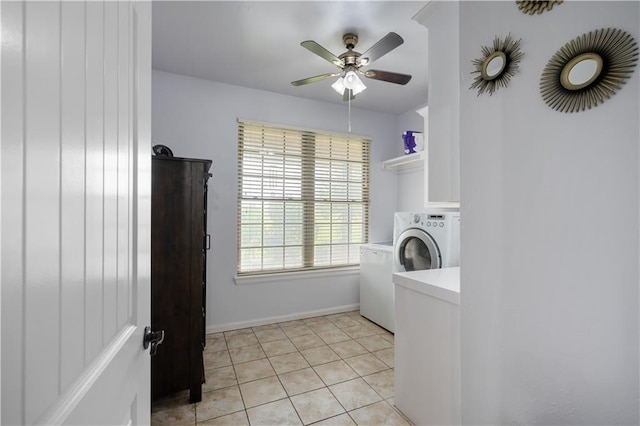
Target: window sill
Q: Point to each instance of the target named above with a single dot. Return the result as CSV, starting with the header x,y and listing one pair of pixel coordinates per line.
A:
x,y
286,276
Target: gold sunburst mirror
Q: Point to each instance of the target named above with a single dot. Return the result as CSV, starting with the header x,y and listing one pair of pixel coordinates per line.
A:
x,y
498,64
588,70
536,7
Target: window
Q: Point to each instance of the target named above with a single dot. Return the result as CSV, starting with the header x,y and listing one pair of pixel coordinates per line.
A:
x,y
303,199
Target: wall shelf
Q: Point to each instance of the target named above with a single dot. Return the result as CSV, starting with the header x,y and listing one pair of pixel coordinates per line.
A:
x,y
405,162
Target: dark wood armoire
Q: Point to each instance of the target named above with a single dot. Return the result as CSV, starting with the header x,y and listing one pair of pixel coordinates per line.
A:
x,y
179,244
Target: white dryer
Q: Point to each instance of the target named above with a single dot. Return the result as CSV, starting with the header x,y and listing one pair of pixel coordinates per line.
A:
x,y
428,240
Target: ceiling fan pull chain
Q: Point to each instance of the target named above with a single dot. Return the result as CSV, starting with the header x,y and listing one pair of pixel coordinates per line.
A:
x,y
349,110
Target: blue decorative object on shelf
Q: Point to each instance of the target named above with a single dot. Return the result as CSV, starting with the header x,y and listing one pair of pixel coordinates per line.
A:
x,y
413,141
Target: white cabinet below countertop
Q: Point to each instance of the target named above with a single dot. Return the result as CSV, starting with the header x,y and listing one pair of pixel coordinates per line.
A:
x,y
427,345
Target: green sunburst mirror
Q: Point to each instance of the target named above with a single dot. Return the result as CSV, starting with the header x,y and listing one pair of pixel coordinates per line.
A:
x,y
588,70
497,65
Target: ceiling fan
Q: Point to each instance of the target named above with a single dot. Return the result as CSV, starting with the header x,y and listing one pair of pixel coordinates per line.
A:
x,y
351,62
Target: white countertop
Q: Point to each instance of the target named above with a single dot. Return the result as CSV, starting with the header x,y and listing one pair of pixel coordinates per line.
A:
x,y
443,283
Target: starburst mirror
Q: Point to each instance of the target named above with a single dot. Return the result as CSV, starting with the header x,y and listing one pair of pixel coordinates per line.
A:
x,y
536,6
588,70
498,64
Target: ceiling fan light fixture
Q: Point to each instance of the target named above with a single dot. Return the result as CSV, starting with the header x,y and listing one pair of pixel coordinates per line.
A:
x,y
353,82
339,86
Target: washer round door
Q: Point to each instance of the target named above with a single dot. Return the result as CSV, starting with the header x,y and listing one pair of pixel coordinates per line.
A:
x,y
415,250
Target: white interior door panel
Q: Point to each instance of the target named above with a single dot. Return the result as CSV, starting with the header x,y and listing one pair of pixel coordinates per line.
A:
x,y
76,184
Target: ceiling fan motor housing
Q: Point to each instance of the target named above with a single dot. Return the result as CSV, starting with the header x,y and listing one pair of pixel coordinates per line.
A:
x,y
350,40
350,57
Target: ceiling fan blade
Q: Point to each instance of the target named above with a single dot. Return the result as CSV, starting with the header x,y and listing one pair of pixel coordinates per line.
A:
x,y
391,77
322,52
382,47
314,78
348,94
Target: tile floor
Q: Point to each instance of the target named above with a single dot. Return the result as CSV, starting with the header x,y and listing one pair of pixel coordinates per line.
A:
x,y
329,370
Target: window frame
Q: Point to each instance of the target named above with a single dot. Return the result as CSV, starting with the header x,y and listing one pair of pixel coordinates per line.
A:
x,y
314,140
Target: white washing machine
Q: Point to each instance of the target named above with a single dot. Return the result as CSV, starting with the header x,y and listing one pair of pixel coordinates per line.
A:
x,y
428,240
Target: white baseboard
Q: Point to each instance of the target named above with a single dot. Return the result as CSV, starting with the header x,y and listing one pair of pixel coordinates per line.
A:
x,y
272,320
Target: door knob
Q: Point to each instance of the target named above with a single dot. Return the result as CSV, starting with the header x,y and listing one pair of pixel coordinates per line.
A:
x,y
153,338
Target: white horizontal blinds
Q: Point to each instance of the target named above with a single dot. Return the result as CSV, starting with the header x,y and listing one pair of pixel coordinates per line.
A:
x,y
303,198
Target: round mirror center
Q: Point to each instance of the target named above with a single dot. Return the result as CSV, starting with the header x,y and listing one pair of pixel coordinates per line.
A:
x,y
581,71
494,65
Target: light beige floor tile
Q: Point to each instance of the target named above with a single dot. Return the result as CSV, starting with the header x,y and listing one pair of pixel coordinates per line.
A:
x,y
297,330
333,336
216,359
321,355
288,362
341,420
366,364
216,344
354,394
387,336
262,391
235,419
239,340
374,343
238,331
270,335
301,381
221,391
335,372
376,329
358,331
265,327
344,322
291,323
381,382
280,413
379,413
360,319
386,356
218,378
278,347
333,317
307,341
219,403
246,353
180,415
254,370
348,348
316,320
322,326
316,405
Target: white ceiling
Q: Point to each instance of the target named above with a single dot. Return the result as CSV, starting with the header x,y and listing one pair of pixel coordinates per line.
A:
x,y
256,44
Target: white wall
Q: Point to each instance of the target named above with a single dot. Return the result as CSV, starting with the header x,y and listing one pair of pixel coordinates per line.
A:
x,y
410,182
549,315
197,118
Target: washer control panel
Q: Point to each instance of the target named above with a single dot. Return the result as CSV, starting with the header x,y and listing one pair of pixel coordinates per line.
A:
x,y
435,220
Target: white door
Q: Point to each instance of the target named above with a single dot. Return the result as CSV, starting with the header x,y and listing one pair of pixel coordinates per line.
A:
x,y
75,211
